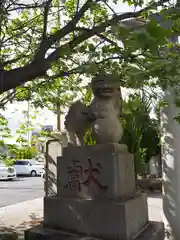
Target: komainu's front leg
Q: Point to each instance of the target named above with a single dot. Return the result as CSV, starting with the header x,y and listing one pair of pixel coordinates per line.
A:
x,y
72,139
80,139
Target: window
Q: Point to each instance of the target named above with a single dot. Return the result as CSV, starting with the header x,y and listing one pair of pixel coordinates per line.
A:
x,y
26,163
22,163
17,163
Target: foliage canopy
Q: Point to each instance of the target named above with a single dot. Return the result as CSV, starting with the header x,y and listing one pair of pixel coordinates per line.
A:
x,y
49,45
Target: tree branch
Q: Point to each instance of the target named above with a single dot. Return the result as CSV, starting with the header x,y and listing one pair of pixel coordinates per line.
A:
x,y
94,31
21,6
99,29
46,43
46,11
12,78
8,98
106,39
79,68
106,3
14,60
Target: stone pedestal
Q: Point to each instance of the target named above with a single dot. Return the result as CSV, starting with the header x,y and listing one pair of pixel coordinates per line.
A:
x,y
96,198
152,231
96,172
53,149
98,218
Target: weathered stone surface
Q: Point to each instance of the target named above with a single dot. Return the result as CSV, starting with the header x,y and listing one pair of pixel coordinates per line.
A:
x,y
102,115
98,218
151,184
100,171
40,233
153,231
53,149
108,147
6,235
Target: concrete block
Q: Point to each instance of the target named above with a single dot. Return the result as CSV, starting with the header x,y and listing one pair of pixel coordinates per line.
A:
x,y
152,231
53,149
103,171
8,235
98,218
40,233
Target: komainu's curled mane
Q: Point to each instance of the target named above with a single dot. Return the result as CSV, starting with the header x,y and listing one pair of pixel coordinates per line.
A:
x,y
76,123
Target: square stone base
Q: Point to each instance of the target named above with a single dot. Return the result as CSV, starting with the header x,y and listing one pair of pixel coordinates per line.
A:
x,y
100,171
102,219
153,231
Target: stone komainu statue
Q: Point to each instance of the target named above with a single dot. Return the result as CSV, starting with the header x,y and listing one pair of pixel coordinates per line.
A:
x,y
76,123
102,115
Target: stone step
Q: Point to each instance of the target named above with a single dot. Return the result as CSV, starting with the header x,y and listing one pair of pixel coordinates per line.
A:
x,y
153,231
105,218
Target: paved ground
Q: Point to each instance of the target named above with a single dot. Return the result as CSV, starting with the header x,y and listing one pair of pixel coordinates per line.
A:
x,y
21,216
20,190
21,204
31,212
155,207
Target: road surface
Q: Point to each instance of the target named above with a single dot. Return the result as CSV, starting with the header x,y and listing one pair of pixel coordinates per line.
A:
x,y
20,190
